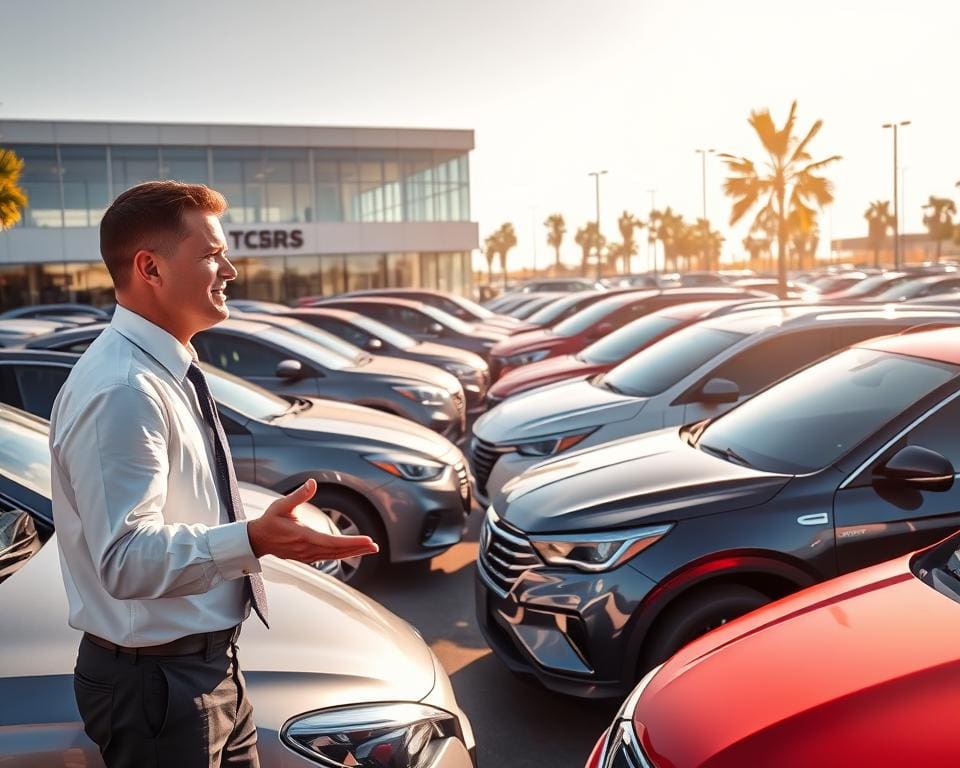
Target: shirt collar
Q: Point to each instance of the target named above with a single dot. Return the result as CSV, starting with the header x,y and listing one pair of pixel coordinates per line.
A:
x,y
155,341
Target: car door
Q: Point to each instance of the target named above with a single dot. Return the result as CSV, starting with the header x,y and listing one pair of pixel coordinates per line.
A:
x,y
752,369
32,387
255,361
876,519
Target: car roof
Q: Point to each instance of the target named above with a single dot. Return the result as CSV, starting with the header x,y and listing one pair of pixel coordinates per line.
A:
x,y
345,315
754,320
392,301
941,344
38,355
694,309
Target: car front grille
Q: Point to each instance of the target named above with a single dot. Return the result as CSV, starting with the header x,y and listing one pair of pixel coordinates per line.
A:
x,y
504,553
483,456
463,478
461,403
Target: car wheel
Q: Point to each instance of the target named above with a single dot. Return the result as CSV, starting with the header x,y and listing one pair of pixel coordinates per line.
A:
x,y
354,518
696,615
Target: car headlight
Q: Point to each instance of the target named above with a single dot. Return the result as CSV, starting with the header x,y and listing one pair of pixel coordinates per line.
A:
x,y
552,444
371,735
406,466
597,551
459,370
425,395
527,357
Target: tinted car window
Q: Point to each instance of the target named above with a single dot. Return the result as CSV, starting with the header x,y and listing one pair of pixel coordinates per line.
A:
x,y
555,310
448,320
586,317
24,455
940,432
658,367
323,338
239,356
345,331
244,397
815,417
39,385
623,341
772,359
385,332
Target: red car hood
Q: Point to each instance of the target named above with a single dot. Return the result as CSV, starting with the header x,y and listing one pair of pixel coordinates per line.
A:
x,y
545,372
861,670
523,342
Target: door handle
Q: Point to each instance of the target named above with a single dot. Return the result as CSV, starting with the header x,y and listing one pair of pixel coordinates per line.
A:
x,y
818,519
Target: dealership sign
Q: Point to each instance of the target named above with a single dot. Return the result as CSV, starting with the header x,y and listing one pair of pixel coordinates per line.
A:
x,y
268,239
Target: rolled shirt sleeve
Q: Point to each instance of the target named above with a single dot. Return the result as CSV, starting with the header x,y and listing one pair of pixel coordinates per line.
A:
x,y
117,458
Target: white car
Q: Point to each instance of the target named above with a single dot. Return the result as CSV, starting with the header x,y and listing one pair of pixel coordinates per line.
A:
x,y
696,373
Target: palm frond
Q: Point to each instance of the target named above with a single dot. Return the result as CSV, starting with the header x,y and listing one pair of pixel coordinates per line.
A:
x,y
800,153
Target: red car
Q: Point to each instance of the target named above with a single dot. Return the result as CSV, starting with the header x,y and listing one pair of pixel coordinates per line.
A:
x,y
608,352
860,670
596,321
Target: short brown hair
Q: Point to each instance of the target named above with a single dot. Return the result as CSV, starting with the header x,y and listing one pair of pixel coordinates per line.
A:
x,y
150,215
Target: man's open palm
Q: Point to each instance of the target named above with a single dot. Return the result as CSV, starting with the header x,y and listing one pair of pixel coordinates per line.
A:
x,y
280,532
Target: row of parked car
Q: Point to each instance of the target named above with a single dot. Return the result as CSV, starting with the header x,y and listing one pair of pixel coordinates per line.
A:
x,y
670,504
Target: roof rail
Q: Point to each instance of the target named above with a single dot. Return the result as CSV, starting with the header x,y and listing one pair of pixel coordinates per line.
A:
x,y
931,326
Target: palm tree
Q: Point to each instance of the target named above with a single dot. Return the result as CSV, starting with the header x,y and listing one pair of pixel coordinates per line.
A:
x,y
939,219
506,239
789,184
490,253
880,222
670,229
628,224
12,198
556,229
590,240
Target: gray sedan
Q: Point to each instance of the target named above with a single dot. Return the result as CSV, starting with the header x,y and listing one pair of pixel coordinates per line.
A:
x,y
380,475
337,680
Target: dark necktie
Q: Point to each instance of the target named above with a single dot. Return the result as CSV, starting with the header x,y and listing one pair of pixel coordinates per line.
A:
x,y
227,479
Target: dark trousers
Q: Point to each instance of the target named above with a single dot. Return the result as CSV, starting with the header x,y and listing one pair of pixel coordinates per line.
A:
x,y
166,711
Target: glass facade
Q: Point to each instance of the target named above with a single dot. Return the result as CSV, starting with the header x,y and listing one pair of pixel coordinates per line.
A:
x,y
71,185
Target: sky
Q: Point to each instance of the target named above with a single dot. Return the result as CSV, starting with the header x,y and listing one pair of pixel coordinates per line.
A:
x,y
553,89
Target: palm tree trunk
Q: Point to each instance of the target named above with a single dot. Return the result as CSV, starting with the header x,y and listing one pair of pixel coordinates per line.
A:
x,y
939,248
557,262
781,246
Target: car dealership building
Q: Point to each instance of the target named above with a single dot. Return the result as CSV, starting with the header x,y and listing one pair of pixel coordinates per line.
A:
x,y
313,210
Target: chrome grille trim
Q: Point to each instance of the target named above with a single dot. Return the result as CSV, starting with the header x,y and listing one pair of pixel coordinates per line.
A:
x,y
504,556
483,456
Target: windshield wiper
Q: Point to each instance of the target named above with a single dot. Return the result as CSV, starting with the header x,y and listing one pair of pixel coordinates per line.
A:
x,y
726,453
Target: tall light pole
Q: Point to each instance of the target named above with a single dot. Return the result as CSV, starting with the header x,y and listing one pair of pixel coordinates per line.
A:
x,y
896,197
703,190
651,239
596,177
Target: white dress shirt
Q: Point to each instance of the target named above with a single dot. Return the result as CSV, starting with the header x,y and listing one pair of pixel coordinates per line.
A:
x,y
147,550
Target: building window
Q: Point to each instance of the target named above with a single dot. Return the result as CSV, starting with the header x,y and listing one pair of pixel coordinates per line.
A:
x,y
302,277
428,270
326,172
287,178
41,182
238,174
133,165
257,278
364,271
88,282
85,195
186,164
332,275
403,270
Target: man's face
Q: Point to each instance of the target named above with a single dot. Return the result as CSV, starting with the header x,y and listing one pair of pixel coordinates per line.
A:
x,y
195,275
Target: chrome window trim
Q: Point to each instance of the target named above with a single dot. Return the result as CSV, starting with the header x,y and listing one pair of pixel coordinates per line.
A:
x,y
913,425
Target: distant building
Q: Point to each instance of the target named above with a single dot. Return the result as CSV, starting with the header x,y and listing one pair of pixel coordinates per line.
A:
x,y
313,210
914,249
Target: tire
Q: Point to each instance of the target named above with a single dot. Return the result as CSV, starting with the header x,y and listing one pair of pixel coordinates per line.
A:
x,y
695,615
351,516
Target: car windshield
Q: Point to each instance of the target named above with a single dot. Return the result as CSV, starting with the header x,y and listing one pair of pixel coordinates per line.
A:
x,y
383,331
658,367
445,318
623,342
586,317
471,306
903,290
303,347
24,453
553,310
324,339
870,284
243,397
812,419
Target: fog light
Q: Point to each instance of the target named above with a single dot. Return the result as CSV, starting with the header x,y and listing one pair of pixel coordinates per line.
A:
x,y
430,526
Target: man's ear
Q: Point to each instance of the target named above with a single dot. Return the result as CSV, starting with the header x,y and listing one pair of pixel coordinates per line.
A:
x,y
146,267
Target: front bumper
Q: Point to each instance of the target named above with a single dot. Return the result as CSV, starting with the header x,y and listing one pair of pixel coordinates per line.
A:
x,y
424,519
574,632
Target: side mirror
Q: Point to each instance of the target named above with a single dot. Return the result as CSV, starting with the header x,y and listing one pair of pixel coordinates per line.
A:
x,y
373,344
601,330
435,329
719,391
919,468
291,370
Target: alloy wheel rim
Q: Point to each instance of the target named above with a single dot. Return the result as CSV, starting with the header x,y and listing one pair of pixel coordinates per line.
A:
x,y
347,526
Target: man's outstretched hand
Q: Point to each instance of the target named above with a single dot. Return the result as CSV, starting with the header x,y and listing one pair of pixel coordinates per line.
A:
x,y
281,533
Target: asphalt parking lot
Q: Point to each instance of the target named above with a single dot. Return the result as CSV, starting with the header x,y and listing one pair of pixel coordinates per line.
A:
x,y
517,723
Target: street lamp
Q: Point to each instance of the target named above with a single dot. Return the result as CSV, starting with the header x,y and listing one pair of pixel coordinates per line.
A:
x,y
896,198
703,190
596,176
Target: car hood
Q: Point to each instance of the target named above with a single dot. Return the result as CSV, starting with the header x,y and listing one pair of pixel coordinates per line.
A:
x,y
410,370
854,671
538,374
559,407
443,353
527,342
321,631
487,332
656,477
328,417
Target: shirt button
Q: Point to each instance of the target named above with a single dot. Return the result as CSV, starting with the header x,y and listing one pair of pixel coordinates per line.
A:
x,y
246,571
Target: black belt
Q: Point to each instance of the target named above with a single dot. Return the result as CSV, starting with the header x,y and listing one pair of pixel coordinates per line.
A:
x,y
183,646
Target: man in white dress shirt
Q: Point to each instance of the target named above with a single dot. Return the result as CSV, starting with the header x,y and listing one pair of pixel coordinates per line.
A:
x,y
159,562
